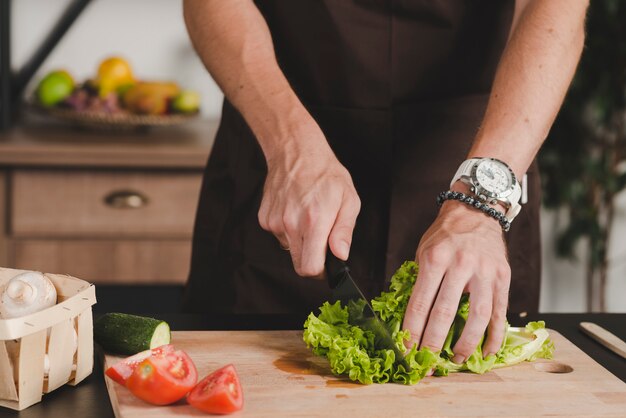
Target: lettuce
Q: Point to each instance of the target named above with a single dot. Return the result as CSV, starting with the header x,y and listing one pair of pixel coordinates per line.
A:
x,y
352,351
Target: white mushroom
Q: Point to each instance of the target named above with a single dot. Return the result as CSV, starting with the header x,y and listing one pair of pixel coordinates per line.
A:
x,y
46,359
27,293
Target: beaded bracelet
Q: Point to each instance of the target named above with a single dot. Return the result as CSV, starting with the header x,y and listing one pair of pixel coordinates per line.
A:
x,y
476,203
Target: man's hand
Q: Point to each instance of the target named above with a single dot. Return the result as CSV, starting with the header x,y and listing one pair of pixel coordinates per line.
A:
x,y
309,203
462,252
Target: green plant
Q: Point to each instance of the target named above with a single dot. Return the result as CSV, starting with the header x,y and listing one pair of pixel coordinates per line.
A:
x,y
583,162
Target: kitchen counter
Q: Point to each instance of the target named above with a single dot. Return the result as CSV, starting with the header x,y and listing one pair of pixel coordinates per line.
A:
x,y
41,142
90,399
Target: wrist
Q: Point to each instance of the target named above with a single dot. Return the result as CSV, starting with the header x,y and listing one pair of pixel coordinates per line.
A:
x,y
291,136
464,211
459,186
301,147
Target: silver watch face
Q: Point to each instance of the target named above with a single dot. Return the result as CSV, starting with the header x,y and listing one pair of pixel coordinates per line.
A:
x,y
494,177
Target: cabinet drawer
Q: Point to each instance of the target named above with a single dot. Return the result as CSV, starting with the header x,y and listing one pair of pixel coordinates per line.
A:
x,y
74,203
108,261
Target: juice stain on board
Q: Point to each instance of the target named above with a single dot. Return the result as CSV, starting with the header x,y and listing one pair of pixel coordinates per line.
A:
x,y
296,365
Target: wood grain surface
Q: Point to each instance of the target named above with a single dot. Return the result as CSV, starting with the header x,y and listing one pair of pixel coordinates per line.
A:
x,y
108,261
282,378
36,142
72,203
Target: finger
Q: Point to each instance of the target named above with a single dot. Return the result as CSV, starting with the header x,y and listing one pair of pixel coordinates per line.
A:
x,y
444,309
314,243
340,238
293,237
283,242
480,306
263,215
422,299
497,323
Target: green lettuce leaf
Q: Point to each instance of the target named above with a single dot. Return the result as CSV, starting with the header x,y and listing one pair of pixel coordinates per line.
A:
x,y
352,351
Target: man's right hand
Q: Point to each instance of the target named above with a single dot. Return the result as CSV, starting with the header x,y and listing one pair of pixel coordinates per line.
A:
x,y
309,202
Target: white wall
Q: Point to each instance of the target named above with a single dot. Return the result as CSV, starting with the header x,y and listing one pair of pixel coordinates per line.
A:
x,y
151,34
563,281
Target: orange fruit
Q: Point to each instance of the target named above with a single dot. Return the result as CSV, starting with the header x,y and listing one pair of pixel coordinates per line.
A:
x,y
112,73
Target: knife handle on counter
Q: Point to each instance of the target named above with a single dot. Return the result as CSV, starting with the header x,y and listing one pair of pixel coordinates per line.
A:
x,y
336,269
604,337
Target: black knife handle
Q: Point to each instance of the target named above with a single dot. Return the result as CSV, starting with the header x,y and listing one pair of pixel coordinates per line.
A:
x,y
336,269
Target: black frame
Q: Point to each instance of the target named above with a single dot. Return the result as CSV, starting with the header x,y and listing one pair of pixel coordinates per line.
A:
x,y
12,85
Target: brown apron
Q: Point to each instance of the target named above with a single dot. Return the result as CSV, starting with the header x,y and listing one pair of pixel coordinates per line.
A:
x,y
399,89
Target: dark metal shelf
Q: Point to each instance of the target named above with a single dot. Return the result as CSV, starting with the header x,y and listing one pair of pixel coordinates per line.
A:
x,y
12,85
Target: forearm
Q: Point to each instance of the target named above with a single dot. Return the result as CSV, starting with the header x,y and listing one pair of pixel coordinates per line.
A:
x,y
534,73
234,42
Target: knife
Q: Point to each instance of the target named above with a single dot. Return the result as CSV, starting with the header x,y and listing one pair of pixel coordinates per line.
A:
x,y
360,310
604,337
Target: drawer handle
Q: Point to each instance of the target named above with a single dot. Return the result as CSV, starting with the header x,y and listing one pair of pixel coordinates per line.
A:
x,y
126,199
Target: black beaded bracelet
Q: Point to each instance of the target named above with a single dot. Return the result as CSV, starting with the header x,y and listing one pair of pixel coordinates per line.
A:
x,y
476,203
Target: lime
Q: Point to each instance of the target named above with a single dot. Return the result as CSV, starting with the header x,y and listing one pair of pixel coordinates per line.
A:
x,y
54,88
187,101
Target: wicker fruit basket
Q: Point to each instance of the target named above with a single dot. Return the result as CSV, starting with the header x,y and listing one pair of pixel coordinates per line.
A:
x,y
61,336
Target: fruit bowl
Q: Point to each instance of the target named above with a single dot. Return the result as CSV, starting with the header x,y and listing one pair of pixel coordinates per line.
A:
x,y
101,120
114,99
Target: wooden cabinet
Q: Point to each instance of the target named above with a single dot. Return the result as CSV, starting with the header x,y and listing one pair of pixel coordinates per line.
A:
x,y
108,208
119,204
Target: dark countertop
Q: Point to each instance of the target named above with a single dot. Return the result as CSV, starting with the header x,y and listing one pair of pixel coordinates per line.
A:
x,y
90,398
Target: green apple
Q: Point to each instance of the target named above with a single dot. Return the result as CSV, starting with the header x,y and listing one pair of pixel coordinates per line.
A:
x,y
54,88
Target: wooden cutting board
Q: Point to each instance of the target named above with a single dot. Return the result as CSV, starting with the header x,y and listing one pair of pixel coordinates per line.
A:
x,y
282,378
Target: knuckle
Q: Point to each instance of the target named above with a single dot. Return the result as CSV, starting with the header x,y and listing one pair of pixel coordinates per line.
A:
x,y
444,311
467,346
309,270
462,347
290,223
433,340
464,261
497,324
274,224
356,203
498,316
482,310
311,215
501,286
504,271
418,307
436,255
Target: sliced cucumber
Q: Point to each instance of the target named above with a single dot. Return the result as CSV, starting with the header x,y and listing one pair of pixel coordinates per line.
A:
x,y
130,334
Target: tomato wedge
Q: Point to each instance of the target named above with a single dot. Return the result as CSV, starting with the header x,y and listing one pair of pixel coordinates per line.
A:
x,y
218,393
162,380
122,370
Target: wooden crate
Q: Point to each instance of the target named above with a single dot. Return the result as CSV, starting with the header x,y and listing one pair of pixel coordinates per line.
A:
x,y
25,341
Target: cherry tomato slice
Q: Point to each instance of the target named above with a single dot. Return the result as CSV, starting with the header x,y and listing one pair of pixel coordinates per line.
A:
x,y
218,393
162,380
122,370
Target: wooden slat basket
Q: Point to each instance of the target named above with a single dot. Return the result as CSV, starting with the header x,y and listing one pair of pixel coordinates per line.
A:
x,y
55,332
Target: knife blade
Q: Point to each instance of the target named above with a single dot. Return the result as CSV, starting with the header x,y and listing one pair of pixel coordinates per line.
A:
x,y
360,310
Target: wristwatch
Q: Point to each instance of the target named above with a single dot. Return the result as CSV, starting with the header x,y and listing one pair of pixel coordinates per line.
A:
x,y
491,181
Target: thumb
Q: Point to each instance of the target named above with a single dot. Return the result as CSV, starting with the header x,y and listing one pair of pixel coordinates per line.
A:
x,y
340,238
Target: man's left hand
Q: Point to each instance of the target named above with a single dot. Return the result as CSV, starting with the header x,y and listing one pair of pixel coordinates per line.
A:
x,y
462,252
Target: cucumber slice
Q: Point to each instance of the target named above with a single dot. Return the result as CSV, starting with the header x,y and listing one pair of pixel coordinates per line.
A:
x,y
130,334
